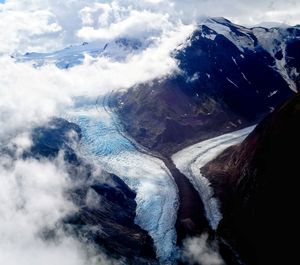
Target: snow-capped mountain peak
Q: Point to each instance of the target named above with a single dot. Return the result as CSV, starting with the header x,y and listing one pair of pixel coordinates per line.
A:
x,y
117,50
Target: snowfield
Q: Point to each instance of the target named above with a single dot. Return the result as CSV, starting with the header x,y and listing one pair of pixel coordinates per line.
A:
x,y
190,160
117,50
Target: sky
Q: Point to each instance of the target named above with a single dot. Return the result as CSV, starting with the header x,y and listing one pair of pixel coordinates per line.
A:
x,y
47,25
29,96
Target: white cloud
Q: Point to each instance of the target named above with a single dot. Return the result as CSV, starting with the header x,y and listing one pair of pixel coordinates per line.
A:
x,y
29,95
39,25
48,25
31,200
27,30
242,11
139,24
196,250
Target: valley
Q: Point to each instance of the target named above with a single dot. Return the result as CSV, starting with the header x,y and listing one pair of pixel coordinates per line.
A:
x,y
173,152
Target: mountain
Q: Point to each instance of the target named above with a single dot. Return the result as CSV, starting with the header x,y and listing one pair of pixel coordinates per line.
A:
x,y
106,206
257,185
116,50
229,77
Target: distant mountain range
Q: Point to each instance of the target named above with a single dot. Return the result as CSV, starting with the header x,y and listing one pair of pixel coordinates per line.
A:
x,y
116,50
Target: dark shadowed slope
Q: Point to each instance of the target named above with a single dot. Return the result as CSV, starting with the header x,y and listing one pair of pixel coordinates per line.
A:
x,y
257,184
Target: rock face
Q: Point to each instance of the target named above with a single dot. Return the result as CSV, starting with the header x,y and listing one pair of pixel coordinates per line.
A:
x,y
106,205
229,77
256,183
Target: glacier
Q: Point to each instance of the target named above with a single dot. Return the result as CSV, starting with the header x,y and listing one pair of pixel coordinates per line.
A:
x,y
190,160
104,141
157,194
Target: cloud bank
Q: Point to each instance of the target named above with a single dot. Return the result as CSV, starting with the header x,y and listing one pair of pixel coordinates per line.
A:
x,y
38,25
32,203
244,12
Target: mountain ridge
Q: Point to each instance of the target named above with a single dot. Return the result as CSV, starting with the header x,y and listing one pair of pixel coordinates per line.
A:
x,y
255,182
229,78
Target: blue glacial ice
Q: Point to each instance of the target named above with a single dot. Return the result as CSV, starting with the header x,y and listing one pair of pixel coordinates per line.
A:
x,y
157,194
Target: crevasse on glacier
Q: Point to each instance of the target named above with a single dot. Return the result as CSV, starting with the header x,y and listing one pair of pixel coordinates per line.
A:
x,y
157,195
190,161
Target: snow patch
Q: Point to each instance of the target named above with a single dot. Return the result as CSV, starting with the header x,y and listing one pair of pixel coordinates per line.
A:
x,y
194,77
271,94
234,60
230,81
245,78
242,42
273,41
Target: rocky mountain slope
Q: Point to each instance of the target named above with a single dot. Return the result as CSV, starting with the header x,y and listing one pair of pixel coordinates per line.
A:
x,y
229,77
256,183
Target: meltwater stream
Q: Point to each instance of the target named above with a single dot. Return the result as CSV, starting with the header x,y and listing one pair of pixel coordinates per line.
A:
x,y
157,195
